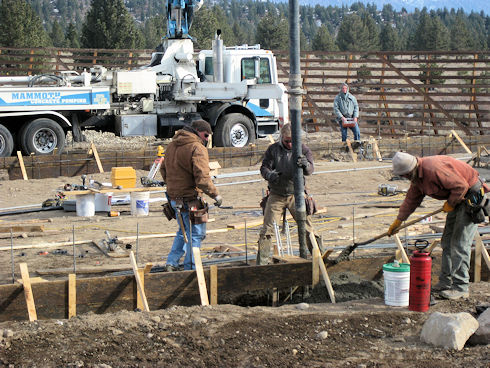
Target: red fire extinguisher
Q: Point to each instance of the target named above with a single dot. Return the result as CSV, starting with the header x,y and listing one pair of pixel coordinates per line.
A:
x,y
420,275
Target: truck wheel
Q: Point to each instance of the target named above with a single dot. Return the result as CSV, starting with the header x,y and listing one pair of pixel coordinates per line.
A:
x,y
41,137
6,142
234,130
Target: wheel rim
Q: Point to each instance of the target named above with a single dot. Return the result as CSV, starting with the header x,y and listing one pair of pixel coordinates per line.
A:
x,y
238,135
3,144
45,140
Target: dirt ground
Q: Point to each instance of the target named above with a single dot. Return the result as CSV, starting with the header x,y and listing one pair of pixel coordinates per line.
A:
x,y
362,333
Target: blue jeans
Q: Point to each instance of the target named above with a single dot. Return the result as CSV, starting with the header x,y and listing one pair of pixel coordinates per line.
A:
x,y
355,131
179,247
456,241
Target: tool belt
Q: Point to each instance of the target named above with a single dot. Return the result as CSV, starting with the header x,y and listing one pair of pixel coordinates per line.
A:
x,y
477,204
197,207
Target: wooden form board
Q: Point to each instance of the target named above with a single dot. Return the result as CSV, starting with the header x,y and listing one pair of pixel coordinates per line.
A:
x,y
114,191
400,252
315,270
461,142
97,158
26,282
213,285
201,281
22,166
351,151
165,289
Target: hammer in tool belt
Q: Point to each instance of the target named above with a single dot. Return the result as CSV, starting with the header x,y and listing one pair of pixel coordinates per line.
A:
x,y
178,208
348,250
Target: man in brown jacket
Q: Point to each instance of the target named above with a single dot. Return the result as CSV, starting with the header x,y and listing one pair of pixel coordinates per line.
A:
x,y
186,173
445,178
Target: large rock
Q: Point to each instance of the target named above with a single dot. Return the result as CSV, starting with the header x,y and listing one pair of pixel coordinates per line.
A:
x,y
448,330
482,335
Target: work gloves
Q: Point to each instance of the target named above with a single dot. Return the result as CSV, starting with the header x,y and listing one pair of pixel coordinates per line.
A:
x,y
394,226
272,176
303,162
218,201
447,207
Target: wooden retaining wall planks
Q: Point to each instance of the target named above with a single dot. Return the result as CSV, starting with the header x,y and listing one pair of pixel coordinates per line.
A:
x,y
115,293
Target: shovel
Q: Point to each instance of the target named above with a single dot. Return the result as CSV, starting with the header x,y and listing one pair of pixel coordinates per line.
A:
x,y
347,251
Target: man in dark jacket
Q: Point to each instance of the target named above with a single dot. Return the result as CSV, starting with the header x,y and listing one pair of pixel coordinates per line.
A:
x,y
278,169
345,107
444,178
186,173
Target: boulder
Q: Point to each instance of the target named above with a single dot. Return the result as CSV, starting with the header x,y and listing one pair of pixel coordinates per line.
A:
x,y
482,335
448,330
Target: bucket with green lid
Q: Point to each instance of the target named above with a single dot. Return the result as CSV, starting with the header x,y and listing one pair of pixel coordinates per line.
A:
x,y
396,283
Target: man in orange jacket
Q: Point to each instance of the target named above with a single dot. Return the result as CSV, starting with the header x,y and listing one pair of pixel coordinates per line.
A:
x,y
445,178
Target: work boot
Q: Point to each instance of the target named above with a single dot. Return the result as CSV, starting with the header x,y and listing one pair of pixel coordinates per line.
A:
x,y
454,294
264,251
440,287
318,241
170,268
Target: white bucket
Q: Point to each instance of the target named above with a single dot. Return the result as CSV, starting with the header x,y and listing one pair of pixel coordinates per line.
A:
x,y
85,205
103,202
396,283
140,203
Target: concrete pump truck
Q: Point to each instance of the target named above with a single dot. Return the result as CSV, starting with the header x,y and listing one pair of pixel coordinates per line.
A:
x,y
236,89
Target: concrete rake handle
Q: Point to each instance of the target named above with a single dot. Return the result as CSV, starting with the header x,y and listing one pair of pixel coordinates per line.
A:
x,y
347,251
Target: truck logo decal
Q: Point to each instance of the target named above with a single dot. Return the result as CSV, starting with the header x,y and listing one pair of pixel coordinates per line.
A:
x,y
53,98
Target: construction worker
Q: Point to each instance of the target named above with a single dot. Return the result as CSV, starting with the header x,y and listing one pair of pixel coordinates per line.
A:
x,y
279,169
345,107
186,173
445,178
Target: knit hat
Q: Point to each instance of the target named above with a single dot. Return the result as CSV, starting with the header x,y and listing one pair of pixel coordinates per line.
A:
x,y
202,126
403,163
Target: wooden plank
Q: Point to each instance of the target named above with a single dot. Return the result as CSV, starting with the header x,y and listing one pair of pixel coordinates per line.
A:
x,y
201,281
323,269
461,142
256,222
97,158
148,267
139,283
434,244
72,295
31,307
351,151
22,166
139,299
21,228
213,284
483,250
115,191
400,249
376,150
315,269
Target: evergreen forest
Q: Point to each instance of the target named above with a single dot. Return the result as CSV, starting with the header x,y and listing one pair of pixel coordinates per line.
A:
x,y
133,24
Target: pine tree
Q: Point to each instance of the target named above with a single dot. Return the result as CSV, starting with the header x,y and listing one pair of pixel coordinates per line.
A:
x,y
273,33
154,29
71,36
431,34
323,41
204,28
460,35
109,25
389,38
57,36
358,34
20,26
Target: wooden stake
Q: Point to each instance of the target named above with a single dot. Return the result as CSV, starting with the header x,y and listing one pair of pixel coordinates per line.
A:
x,y
22,166
461,142
96,156
484,252
139,299
376,150
323,269
213,284
72,295
401,250
434,244
315,275
148,267
31,307
139,284
478,255
351,151
201,281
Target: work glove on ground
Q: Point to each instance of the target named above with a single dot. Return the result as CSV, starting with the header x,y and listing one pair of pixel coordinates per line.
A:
x,y
303,162
447,207
273,176
394,226
218,201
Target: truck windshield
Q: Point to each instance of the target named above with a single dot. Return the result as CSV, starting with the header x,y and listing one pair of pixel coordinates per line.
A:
x,y
248,70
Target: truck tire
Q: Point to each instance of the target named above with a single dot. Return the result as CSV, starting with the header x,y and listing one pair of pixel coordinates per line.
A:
x,y
234,130
6,142
41,137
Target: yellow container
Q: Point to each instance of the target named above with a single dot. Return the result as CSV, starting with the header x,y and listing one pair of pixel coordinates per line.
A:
x,y
123,176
